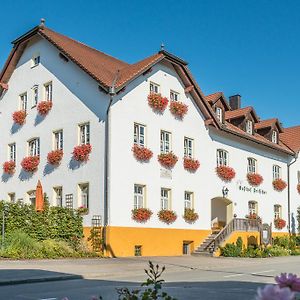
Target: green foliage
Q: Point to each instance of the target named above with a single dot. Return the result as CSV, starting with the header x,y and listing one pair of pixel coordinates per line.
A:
x,y
276,250
285,242
233,250
96,239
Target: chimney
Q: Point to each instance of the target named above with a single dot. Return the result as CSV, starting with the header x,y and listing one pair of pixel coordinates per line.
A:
x,y
235,101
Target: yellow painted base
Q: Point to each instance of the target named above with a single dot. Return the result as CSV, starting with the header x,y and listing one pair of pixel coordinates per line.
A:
x,y
121,241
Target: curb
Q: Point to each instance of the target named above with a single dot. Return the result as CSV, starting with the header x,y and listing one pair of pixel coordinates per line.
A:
x,y
41,279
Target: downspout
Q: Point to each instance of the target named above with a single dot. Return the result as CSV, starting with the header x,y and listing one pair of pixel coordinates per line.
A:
x,y
112,93
289,191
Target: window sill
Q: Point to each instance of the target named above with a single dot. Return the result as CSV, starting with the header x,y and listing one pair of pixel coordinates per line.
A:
x,y
34,66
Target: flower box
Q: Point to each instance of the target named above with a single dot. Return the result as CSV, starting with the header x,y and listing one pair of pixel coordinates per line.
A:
x,y
82,210
54,157
252,216
19,117
81,153
191,164
167,216
279,223
168,160
9,167
157,102
44,107
141,153
30,163
279,184
190,216
178,109
225,173
254,179
298,188
141,215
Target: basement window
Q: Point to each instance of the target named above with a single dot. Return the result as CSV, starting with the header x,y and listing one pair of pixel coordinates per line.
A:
x,y
137,250
186,247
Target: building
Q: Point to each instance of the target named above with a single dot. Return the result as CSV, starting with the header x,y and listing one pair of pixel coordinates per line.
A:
x,y
101,101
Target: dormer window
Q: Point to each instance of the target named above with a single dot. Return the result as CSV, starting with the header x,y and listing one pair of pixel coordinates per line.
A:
x,y
249,127
274,137
219,113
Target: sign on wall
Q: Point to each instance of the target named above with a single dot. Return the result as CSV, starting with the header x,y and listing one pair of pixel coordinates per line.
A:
x,y
165,173
250,189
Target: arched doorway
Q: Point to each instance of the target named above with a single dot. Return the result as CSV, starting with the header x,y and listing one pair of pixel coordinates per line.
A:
x,y
221,212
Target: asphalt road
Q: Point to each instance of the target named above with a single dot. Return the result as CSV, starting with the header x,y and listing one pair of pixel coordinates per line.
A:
x,y
186,277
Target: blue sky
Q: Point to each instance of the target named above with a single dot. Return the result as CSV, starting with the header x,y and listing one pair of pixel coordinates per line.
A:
x,y
247,47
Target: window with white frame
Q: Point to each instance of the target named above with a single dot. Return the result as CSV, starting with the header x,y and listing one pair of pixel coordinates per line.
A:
x,y
274,136
139,196
219,113
252,207
12,197
58,140
12,152
139,134
188,200
48,91
84,195
174,96
69,201
154,88
31,197
165,142
34,147
58,196
23,101
222,158
84,133
249,126
36,59
35,96
276,172
277,211
188,147
252,165
165,198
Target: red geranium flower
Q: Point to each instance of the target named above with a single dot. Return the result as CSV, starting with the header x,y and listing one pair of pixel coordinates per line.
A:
x,y
254,179
30,163
167,216
19,117
44,107
141,153
82,152
225,173
157,102
54,157
141,215
191,164
190,216
298,188
279,223
9,167
168,159
279,184
178,109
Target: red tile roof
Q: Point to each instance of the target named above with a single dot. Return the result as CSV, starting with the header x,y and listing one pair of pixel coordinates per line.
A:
x,y
213,97
291,137
233,114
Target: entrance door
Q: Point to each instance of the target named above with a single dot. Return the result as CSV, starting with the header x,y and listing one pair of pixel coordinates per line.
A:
x,y
221,212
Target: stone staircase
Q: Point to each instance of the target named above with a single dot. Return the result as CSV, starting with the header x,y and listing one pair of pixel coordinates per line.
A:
x,y
207,246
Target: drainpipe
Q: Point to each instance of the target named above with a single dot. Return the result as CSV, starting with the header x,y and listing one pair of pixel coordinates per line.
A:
x,y
289,191
112,93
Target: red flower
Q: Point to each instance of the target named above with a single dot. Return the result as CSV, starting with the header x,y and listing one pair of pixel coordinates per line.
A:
x,y
225,173
279,184
167,216
81,152
279,223
141,153
141,215
54,157
191,164
44,107
168,159
19,117
190,216
254,179
253,216
178,109
298,188
157,102
82,210
9,167
30,163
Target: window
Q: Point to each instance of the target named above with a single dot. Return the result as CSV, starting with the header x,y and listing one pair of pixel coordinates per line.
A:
x,y
165,198
222,158
188,199
84,195
249,127
69,201
154,88
165,140
34,147
188,147
139,134
48,91
12,197
84,134
137,250
276,172
36,59
298,175
35,96
274,137
139,196
252,165
277,211
219,113
31,197
58,140
57,195
12,152
23,102
174,96
252,207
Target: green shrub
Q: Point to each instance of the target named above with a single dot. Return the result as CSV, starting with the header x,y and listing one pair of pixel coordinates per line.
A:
x,y
276,250
233,250
57,249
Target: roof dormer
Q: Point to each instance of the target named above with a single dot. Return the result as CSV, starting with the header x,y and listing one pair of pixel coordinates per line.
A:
x,y
219,104
269,129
